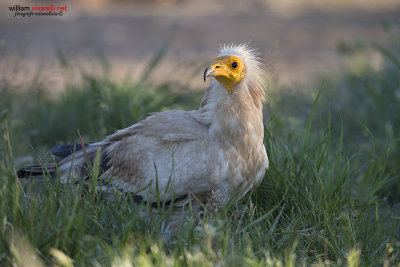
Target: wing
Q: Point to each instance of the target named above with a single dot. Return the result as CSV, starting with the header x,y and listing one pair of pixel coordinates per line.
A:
x,y
173,125
166,154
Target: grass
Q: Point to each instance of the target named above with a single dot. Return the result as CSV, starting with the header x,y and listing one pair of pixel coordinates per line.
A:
x,y
329,197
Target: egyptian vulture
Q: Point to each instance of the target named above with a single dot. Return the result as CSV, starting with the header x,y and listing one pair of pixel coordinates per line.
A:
x,y
211,153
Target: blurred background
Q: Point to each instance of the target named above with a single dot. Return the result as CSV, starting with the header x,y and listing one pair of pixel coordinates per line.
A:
x,y
297,39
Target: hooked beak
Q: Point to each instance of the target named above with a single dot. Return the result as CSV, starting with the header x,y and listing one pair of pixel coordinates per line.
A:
x,y
208,72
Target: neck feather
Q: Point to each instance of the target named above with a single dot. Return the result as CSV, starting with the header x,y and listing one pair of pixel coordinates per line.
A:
x,y
232,115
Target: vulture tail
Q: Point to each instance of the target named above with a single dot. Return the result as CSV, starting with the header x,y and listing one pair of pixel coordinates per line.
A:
x,y
37,171
67,153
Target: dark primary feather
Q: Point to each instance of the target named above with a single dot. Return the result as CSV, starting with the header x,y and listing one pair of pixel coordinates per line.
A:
x,y
63,151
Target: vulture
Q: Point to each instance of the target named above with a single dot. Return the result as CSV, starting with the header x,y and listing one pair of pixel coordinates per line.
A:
x,y
176,156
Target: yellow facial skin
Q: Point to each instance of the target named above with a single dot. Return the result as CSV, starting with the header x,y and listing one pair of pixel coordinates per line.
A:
x,y
228,71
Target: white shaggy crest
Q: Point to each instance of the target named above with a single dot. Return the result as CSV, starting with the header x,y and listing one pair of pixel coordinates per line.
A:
x,y
251,60
253,82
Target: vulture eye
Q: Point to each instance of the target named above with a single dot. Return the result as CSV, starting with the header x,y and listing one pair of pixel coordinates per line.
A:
x,y
235,65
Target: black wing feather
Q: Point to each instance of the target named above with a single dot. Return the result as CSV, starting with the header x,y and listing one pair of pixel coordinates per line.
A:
x,y
63,151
